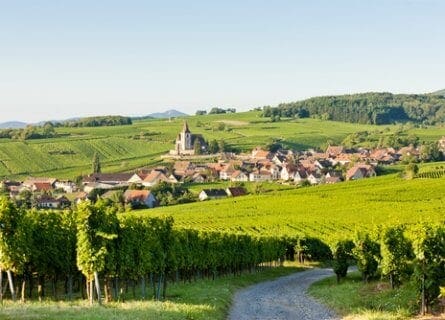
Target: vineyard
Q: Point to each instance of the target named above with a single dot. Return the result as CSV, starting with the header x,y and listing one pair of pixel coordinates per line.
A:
x,y
327,212
123,148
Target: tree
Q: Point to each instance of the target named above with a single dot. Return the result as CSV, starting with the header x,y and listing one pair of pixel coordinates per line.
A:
x,y
411,170
396,252
96,163
93,237
197,147
213,146
429,263
10,246
366,253
222,146
201,112
342,255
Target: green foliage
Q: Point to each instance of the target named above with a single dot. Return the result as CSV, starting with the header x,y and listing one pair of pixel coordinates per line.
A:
x,y
94,232
342,257
98,121
374,108
13,246
367,254
172,193
429,263
96,168
411,170
396,251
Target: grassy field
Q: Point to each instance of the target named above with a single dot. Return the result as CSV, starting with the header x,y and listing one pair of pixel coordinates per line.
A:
x,y
120,149
203,299
326,211
376,300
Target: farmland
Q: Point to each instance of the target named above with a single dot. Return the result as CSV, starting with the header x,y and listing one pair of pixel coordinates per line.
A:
x,y
328,212
124,148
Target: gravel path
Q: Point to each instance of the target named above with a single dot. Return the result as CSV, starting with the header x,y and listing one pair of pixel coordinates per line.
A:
x,y
284,298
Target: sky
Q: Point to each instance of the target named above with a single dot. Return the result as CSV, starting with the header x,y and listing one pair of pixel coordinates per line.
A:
x,y
62,59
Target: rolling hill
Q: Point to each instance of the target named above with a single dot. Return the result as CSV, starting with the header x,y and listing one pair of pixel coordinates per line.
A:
x,y
124,148
328,212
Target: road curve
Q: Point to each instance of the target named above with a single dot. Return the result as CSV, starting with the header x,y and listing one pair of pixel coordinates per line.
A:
x,y
284,298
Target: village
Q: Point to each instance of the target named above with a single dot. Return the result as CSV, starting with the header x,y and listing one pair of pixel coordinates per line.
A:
x,y
135,189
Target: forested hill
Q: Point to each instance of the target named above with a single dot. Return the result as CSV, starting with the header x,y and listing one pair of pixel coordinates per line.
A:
x,y
372,108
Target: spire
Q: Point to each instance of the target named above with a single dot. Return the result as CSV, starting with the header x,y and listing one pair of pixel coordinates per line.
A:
x,y
185,128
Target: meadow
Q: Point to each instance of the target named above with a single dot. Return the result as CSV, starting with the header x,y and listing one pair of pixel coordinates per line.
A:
x,y
125,148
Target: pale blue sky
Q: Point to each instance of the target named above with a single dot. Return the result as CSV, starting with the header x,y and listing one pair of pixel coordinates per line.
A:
x,y
60,59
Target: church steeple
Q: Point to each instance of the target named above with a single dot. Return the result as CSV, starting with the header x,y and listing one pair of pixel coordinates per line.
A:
x,y
185,128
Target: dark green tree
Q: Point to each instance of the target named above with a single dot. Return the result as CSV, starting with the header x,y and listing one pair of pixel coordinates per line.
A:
x,y
396,251
96,167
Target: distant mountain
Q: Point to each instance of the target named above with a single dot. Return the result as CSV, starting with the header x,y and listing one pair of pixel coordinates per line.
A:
x,y
13,125
167,114
439,92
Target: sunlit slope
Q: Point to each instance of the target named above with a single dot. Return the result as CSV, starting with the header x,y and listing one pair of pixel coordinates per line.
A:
x,y
124,148
328,212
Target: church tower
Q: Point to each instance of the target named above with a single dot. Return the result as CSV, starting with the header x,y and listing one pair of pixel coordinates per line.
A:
x,y
186,137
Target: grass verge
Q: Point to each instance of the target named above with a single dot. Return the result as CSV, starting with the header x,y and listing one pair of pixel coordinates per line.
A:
x,y
375,300
203,299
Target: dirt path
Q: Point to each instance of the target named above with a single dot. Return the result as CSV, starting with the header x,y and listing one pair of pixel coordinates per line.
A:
x,y
284,298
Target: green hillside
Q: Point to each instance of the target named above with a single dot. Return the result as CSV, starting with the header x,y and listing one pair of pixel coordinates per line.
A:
x,y
371,107
327,212
124,148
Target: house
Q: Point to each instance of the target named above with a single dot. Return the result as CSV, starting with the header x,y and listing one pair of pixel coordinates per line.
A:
x,y
333,151
154,178
287,172
199,177
49,202
96,185
315,178
236,191
67,186
80,197
360,171
138,177
181,167
239,176
108,178
259,153
226,173
208,194
300,175
260,175
39,184
138,198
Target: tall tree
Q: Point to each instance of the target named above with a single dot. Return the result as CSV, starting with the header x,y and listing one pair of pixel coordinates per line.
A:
x,y
93,237
396,252
96,163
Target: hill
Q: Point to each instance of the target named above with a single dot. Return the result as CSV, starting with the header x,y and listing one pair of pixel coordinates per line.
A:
x,y
367,108
124,148
327,212
167,114
12,125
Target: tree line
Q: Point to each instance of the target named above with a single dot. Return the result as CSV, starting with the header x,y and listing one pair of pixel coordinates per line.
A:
x,y
47,130
366,108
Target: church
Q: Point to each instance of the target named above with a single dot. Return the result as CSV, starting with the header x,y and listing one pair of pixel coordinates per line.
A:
x,y
185,142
